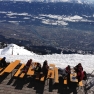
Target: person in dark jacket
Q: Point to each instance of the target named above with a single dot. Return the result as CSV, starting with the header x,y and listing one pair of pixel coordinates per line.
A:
x,y
3,62
29,62
78,67
26,67
68,70
45,67
80,74
38,68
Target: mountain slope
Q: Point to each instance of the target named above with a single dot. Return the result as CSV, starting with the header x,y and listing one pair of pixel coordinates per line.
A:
x,y
13,49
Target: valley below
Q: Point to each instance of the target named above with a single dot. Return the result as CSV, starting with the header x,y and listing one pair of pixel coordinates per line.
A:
x,y
48,28
48,39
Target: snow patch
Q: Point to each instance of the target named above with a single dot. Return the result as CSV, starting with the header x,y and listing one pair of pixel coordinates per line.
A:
x,y
14,49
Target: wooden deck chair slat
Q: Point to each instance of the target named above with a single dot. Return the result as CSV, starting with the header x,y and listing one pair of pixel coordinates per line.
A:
x,y
10,67
42,78
56,75
30,71
65,81
50,73
52,65
22,75
19,70
81,83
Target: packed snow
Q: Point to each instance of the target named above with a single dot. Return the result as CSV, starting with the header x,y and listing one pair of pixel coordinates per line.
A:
x,y
14,52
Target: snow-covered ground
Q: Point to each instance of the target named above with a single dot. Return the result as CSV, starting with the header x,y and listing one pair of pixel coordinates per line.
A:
x,y
14,52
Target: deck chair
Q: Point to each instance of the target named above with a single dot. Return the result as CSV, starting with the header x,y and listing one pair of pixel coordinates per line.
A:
x,y
50,74
51,71
30,71
56,80
10,67
19,70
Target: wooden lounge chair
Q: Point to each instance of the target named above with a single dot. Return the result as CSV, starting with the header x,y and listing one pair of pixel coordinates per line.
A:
x,y
31,71
19,70
10,67
51,71
50,74
56,75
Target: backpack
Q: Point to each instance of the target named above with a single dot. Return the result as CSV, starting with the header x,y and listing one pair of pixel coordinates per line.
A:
x,y
37,69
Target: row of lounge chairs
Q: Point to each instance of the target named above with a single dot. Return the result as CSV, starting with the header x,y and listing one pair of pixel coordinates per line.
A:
x,y
52,72
30,72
